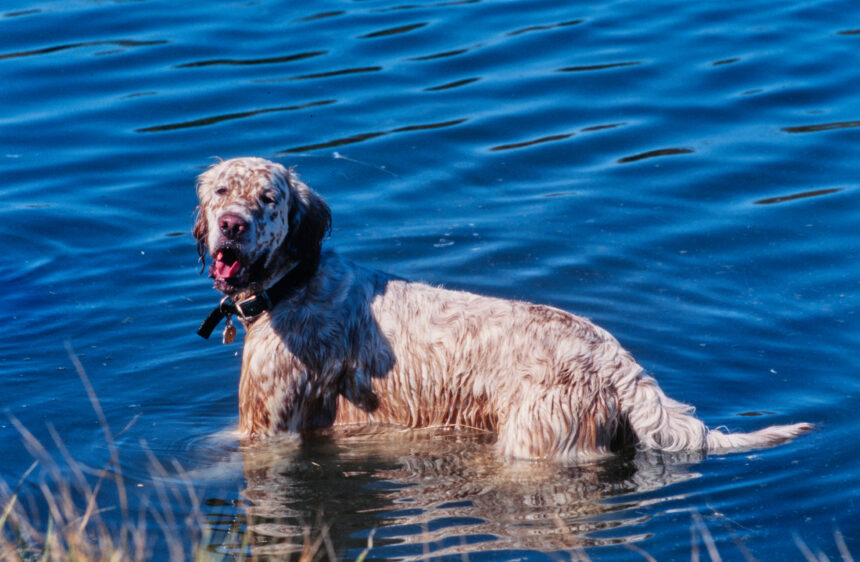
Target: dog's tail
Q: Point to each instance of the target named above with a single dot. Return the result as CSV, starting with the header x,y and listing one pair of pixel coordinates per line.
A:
x,y
666,424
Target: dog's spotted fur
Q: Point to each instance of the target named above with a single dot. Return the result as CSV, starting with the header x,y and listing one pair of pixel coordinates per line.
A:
x,y
355,345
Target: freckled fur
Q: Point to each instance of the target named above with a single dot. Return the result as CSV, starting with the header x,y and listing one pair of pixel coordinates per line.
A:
x,y
359,346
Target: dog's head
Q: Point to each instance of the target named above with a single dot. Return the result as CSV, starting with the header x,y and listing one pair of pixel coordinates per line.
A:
x,y
256,221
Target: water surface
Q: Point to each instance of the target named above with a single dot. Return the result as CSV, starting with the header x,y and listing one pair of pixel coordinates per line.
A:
x,y
683,173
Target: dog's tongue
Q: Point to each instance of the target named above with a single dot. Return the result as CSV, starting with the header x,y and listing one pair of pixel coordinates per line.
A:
x,y
225,271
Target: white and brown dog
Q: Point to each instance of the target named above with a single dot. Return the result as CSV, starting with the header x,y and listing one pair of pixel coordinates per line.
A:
x,y
329,342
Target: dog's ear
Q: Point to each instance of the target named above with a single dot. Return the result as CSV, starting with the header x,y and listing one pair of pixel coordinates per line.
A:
x,y
200,232
310,222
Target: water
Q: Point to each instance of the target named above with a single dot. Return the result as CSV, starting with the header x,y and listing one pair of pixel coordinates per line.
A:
x,y
684,173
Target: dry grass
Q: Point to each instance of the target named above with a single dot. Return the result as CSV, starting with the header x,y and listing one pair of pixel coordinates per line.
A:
x,y
64,519
60,519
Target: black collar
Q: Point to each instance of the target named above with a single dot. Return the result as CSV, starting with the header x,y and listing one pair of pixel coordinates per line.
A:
x,y
252,307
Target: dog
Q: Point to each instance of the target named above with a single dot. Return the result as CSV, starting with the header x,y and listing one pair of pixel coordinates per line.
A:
x,y
331,343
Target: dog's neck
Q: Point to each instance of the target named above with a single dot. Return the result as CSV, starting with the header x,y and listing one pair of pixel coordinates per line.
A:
x,y
251,304
296,278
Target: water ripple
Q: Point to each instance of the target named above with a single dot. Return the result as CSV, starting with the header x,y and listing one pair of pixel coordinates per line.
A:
x,y
352,139
822,127
794,196
654,154
725,61
68,46
441,55
591,67
393,31
428,126
322,15
206,121
332,73
22,13
454,84
524,144
248,62
602,127
425,6
543,27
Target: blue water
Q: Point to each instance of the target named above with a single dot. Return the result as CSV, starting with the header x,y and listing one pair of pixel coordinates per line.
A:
x,y
683,173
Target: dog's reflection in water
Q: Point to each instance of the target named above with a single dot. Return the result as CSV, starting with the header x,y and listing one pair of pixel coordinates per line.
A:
x,y
440,492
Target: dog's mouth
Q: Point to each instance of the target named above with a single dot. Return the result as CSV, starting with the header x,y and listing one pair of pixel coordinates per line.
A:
x,y
233,272
227,265
229,269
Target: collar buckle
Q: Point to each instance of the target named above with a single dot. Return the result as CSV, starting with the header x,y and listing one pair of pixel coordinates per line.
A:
x,y
254,306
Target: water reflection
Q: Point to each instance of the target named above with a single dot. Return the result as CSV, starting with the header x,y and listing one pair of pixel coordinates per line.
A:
x,y
406,493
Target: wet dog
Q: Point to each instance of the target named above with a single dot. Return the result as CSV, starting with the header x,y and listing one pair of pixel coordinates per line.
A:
x,y
329,342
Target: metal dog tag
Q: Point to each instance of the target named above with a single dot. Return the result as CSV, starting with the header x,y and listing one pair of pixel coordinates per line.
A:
x,y
229,333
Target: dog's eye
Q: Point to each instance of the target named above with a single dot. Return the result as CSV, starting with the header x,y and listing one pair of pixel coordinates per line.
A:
x,y
221,191
268,198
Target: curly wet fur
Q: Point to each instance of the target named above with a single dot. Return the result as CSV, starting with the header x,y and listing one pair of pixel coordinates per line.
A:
x,y
360,346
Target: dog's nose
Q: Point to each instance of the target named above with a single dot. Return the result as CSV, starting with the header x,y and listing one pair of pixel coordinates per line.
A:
x,y
232,225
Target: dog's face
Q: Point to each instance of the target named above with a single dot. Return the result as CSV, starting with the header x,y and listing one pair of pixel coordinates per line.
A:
x,y
256,220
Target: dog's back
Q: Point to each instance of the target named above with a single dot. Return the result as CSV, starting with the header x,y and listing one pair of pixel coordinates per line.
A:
x,y
362,347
